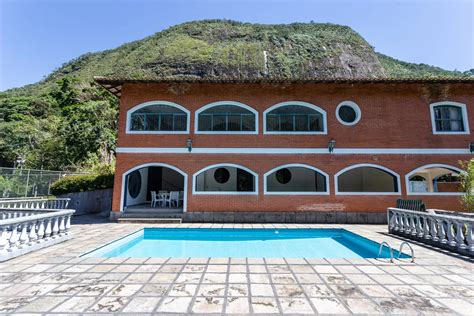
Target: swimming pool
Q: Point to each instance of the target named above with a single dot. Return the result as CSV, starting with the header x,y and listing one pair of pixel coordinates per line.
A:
x,y
241,243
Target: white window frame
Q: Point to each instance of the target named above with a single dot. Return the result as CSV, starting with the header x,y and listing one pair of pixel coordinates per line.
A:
x,y
155,164
336,184
268,173
433,165
463,108
300,103
218,103
255,192
149,103
354,106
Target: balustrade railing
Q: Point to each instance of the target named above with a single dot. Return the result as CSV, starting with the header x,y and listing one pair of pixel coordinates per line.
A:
x,y
446,231
28,225
39,203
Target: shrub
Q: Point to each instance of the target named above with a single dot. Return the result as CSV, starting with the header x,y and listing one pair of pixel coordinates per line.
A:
x,y
467,185
83,182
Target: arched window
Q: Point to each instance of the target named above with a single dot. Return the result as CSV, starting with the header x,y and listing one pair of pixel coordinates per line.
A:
x,y
295,117
226,117
449,118
366,179
434,179
296,179
225,179
158,117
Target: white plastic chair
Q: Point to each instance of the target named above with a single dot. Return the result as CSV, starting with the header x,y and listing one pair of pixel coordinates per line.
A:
x,y
173,199
153,199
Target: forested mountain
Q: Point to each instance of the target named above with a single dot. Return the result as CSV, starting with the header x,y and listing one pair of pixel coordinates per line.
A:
x,y
66,122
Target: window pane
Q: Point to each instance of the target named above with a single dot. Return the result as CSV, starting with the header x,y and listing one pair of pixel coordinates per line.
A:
x,y
291,118
166,122
152,122
158,117
316,123
248,122
138,122
273,123
367,179
286,123
296,179
225,179
180,122
205,122
301,123
233,123
228,118
219,123
448,119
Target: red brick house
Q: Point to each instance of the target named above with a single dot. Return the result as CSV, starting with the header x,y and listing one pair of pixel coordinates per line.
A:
x,y
291,150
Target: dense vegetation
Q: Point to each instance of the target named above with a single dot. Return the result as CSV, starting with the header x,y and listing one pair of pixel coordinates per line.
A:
x,y
65,122
71,127
83,182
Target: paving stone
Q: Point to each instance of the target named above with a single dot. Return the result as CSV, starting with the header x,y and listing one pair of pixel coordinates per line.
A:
x,y
57,280
265,305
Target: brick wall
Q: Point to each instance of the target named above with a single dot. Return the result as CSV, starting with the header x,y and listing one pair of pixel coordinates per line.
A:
x,y
393,116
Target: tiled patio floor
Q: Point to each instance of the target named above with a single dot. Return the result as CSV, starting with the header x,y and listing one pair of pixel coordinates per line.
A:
x,y
57,280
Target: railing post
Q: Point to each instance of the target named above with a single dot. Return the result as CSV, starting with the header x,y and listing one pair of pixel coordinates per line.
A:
x,y
460,236
441,232
470,238
41,230
4,243
13,240
24,235
32,236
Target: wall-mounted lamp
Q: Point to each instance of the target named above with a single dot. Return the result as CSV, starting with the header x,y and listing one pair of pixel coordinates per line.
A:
x,y
189,144
331,145
471,147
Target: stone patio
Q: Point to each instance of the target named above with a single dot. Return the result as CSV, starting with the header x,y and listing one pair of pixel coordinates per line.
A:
x,y
57,280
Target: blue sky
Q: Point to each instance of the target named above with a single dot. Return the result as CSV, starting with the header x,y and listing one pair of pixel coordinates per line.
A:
x,y
37,36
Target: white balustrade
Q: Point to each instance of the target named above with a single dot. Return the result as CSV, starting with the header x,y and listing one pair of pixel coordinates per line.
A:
x,y
454,232
35,203
31,229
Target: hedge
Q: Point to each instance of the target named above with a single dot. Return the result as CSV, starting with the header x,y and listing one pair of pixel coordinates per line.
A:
x,y
83,182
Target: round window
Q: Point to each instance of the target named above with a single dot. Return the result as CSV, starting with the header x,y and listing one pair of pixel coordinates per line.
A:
x,y
283,175
221,175
348,113
134,183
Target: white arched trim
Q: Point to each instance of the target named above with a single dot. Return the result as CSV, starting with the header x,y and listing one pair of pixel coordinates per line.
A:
x,y
144,105
336,176
299,165
300,103
355,107
465,121
255,175
155,164
434,165
214,104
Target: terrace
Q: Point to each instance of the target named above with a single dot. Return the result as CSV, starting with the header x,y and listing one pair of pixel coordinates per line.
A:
x,y
58,280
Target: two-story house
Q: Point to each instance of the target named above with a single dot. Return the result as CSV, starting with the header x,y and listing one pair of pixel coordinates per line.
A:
x,y
281,150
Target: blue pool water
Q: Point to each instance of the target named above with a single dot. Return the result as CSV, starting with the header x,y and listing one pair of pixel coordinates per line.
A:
x,y
239,243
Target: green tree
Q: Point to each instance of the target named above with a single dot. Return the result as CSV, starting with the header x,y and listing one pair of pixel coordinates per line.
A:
x,y
467,185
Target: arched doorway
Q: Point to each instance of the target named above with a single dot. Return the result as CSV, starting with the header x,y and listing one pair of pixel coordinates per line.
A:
x,y
139,182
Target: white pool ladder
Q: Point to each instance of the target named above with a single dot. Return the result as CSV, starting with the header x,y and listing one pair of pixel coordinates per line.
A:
x,y
399,252
411,250
381,249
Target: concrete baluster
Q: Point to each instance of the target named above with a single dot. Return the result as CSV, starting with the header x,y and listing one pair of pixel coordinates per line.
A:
x,y
460,236
32,235
23,235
